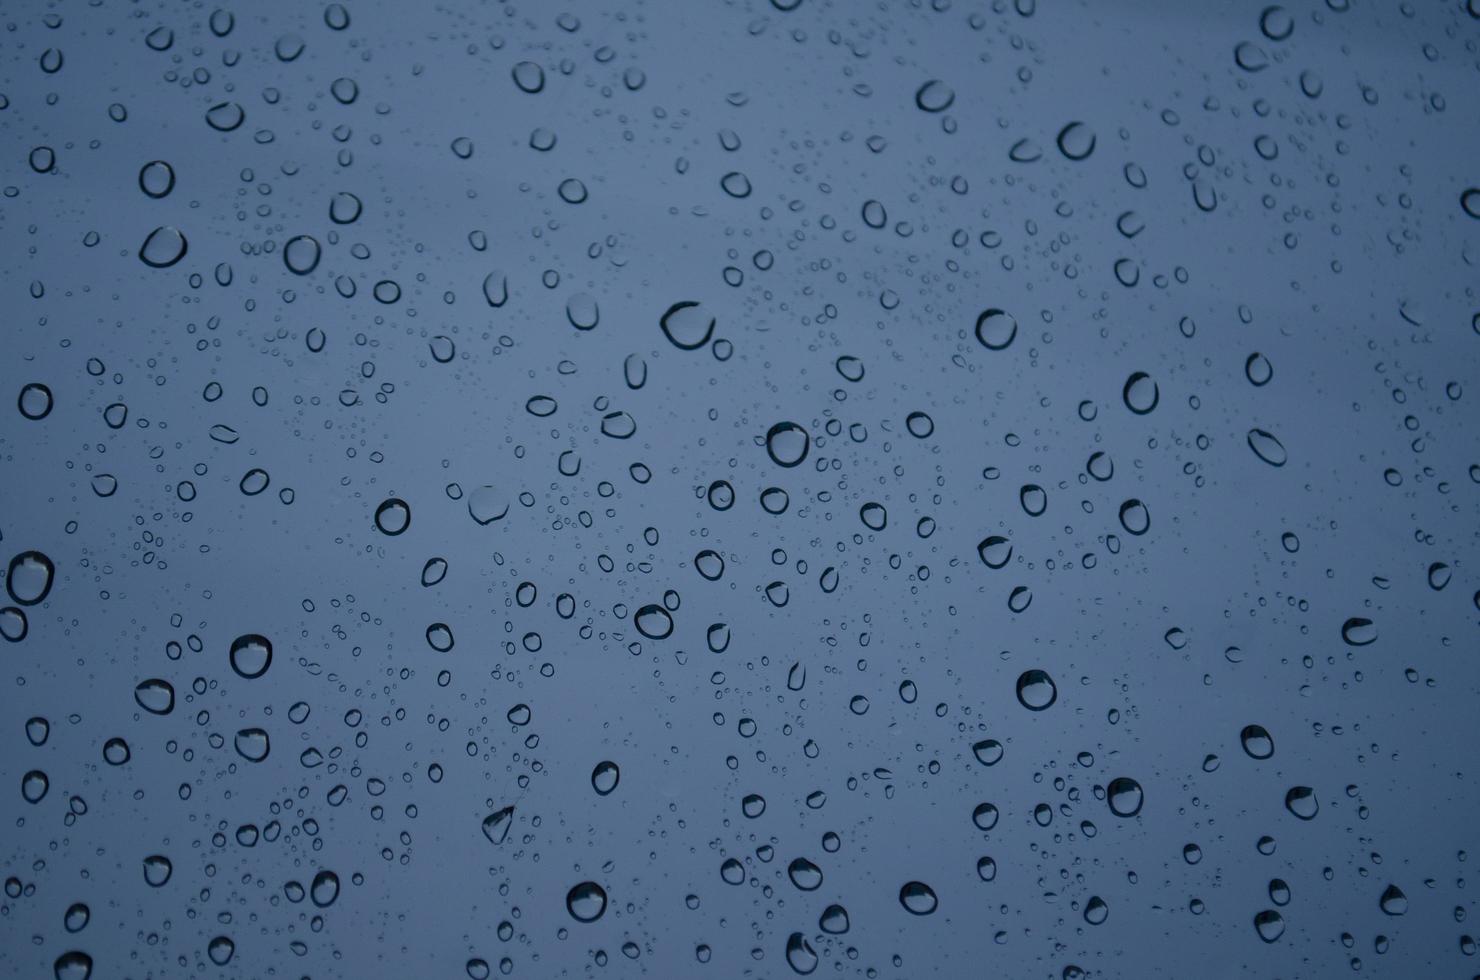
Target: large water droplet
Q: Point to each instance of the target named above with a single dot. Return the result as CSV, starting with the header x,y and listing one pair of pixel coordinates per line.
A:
x,y
586,902
164,247
251,655
787,444
1036,690
687,325
918,898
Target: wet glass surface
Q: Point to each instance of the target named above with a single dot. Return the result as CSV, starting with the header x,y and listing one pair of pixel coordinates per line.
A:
x,y
739,489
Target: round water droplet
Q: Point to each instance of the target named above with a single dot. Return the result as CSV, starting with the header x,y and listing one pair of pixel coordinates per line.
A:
x,y
653,622
529,77
1124,796
709,564
35,401
1076,141
1270,925
34,785
252,744
586,902
1301,801
1258,369
488,504
29,577
1033,498
787,444
874,517
74,965
225,116
1256,742
324,889
1140,393
934,96
251,655
804,874
344,208
995,551
687,325
301,254
735,184
164,247
604,777
157,179
155,696
1134,517
393,516
582,312
116,752
918,898
157,870
1036,690
988,751
995,329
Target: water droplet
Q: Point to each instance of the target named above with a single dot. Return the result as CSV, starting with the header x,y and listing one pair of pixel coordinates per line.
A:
x,y
74,965
917,898
1358,632
735,184
1036,690
251,655
1033,499
496,825
995,551
995,329
35,401
988,751
324,889
1270,925
1134,517
1267,447
1124,796
252,744
800,955
1301,801
787,444
586,902
301,254
225,116
1140,393
29,577
604,777
687,325
1076,141
157,179
1256,742
529,76
488,504
653,622
157,870
1393,901
934,96
34,785
164,247
393,516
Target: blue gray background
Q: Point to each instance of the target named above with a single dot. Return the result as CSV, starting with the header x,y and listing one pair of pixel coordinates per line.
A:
x,y
1283,181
